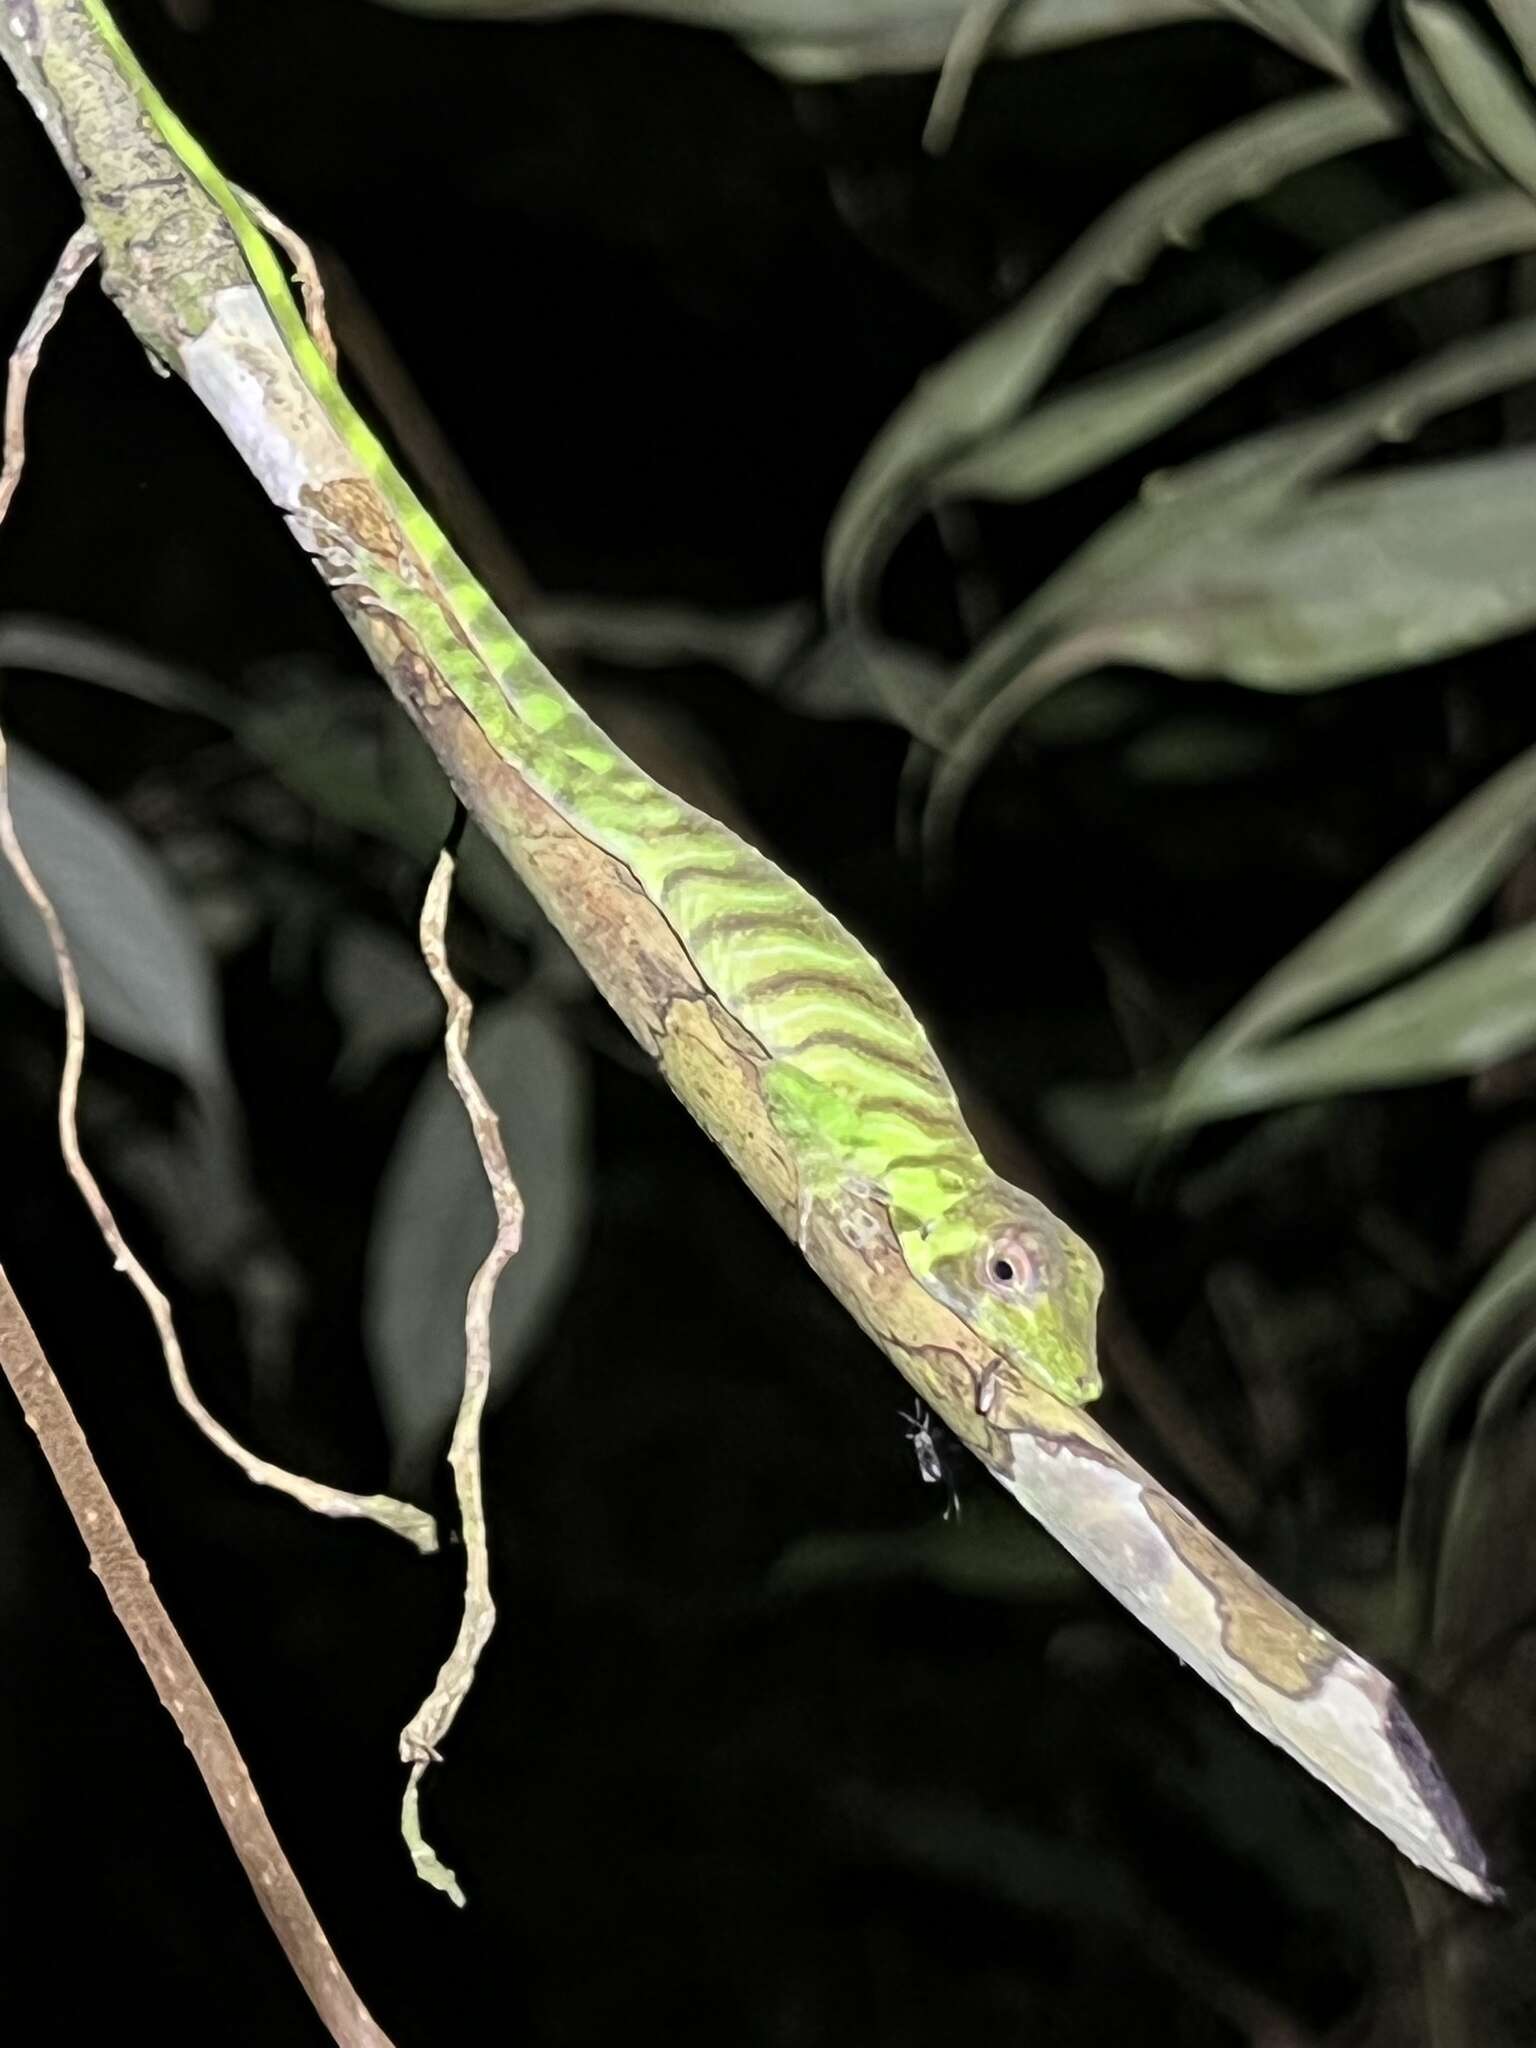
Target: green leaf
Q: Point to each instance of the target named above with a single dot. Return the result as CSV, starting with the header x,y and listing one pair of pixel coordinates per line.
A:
x,y
434,1224
58,647
1192,753
1406,915
757,646
1519,23
1460,1356
144,972
1367,576
351,756
383,1001
1478,1347
825,40
1456,1018
1104,416
1181,511
1363,577
850,673
1475,1490
1487,97
987,382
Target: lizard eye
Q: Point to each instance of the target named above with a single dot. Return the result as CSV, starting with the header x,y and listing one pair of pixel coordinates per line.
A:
x,y
1013,1268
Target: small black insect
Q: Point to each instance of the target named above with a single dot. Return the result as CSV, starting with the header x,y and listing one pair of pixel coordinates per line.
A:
x,y
930,1460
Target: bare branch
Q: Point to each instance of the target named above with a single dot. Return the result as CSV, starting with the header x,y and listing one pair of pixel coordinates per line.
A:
x,y
126,1582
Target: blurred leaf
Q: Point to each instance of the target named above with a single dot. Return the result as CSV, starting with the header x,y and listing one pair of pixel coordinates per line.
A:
x,y
850,673
196,1180
756,646
1028,1869
1484,1506
1430,96
1455,1018
352,756
987,381
818,40
1360,578
1440,1023
1406,915
1102,417
1104,1130
1459,1357
1180,511
1090,711
434,1224
144,973
58,647
978,1554
1475,1347
382,998
1190,753
1487,97
1518,22
1326,32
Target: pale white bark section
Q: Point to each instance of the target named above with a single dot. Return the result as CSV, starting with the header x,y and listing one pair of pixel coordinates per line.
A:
x,y
1347,1727
240,368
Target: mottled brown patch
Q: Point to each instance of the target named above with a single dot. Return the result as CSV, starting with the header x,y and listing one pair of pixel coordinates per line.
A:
x,y
933,1351
712,1067
395,648
1263,1631
354,506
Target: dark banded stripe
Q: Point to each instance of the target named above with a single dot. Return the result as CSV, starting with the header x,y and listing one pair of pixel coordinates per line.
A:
x,y
694,823
958,1161
793,980
706,871
789,922
866,1048
943,1122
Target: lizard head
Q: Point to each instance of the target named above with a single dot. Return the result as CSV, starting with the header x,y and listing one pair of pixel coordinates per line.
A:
x,y
1027,1285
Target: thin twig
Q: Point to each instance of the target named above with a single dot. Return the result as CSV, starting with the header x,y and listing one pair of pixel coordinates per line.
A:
x,y
306,272
404,1519
80,253
373,362
408,1521
419,1740
126,1582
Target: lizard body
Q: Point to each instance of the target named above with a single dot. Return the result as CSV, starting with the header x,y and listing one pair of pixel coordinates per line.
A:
x,y
852,1084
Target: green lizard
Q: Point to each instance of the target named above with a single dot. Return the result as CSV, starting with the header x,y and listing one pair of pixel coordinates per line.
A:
x,y
854,1089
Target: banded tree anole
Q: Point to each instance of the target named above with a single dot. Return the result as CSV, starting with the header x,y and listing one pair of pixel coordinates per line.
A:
x,y
861,1106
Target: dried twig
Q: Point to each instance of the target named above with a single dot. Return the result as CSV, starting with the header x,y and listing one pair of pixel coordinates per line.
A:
x,y
419,1740
408,1521
79,254
306,272
126,1583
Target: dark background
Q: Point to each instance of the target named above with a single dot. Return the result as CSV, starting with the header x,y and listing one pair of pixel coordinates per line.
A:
x,y
762,1751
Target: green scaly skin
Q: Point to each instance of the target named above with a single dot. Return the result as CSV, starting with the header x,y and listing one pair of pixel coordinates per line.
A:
x,y
851,1082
